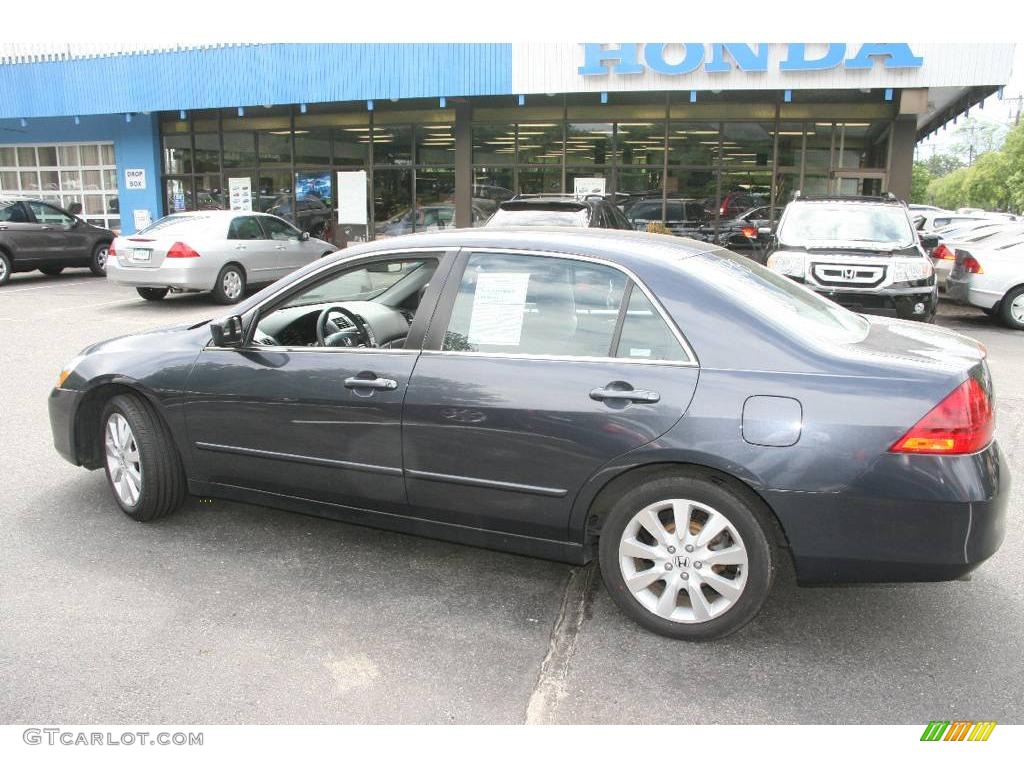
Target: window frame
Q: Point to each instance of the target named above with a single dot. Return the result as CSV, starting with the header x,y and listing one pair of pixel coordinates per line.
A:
x,y
434,340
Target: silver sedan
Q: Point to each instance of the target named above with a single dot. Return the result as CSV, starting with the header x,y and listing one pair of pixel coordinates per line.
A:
x,y
217,251
991,278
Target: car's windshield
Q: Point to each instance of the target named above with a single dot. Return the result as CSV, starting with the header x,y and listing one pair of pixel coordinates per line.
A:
x,y
846,223
780,300
539,217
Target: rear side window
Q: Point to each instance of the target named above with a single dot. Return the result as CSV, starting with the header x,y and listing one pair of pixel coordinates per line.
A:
x,y
13,212
644,335
245,228
937,223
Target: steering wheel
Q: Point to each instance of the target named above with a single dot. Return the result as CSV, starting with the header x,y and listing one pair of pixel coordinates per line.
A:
x,y
364,334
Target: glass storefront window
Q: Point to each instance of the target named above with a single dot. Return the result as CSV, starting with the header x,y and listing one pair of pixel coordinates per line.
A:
x,y
494,144
90,154
697,186
791,139
27,157
71,179
68,154
392,145
239,150
8,157
641,143
541,143
693,143
743,190
589,143
207,153
748,144
178,195
49,180
534,181
435,144
645,180
275,192
352,146
275,149
392,203
312,147
47,156
177,154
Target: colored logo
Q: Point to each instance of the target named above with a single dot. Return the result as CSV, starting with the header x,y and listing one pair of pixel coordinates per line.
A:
x,y
958,730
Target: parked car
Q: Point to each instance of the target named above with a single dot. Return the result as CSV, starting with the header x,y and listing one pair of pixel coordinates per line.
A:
x,y
930,221
558,211
990,233
679,413
681,216
991,278
218,251
736,202
862,252
425,218
748,233
39,235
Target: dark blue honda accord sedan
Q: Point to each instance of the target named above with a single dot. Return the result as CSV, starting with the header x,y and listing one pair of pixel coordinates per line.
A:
x,y
676,411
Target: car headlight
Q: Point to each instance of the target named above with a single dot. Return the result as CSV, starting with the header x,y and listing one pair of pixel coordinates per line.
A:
x,y
68,370
910,270
789,264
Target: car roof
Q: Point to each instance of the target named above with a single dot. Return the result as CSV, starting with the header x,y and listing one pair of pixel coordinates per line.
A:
x,y
615,245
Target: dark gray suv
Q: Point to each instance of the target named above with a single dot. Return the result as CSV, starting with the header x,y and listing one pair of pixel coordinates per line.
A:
x,y
35,234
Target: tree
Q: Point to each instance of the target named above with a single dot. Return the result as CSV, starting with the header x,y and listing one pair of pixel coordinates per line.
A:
x,y
976,137
940,164
948,191
1013,149
919,183
985,184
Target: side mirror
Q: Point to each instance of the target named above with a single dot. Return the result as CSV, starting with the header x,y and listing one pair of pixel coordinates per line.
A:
x,y
304,236
227,333
929,241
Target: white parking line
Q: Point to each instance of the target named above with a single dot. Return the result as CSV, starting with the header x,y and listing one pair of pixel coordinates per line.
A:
x,y
63,310
50,286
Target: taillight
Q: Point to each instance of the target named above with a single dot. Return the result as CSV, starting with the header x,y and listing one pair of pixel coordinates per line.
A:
x,y
181,251
971,265
962,423
749,232
111,253
942,252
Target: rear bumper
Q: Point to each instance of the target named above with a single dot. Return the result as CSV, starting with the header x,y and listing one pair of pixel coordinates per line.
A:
x,y
946,516
63,405
190,278
963,292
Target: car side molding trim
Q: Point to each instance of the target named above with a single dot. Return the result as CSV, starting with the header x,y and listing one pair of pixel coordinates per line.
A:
x,y
478,482
315,460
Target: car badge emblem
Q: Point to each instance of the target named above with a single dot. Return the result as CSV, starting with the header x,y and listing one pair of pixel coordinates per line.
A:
x,y
849,274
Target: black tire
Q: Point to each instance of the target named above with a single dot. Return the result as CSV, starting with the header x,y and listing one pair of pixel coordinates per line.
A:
x,y
5,268
163,485
1006,309
744,511
221,293
152,294
98,262
51,270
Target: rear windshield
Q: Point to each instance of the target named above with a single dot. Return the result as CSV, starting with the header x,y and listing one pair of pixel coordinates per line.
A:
x,y
779,299
846,223
537,216
173,222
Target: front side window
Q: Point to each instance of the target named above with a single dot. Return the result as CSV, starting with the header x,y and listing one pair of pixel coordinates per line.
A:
x,y
278,229
47,214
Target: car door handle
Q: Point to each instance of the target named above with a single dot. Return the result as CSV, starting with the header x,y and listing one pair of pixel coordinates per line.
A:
x,y
240,247
632,395
280,247
356,382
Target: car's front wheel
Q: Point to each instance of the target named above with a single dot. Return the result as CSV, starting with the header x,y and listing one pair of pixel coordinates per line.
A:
x,y
98,263
1011,309
51,270
5,268
687,557
141,460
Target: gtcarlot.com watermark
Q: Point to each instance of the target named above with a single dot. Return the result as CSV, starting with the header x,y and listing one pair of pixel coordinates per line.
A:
x,y
59,736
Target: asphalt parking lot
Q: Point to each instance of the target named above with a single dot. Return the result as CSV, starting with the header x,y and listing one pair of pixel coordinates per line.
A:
x,y
227,613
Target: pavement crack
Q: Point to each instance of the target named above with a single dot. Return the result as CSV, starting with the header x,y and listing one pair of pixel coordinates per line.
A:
x,y
550,688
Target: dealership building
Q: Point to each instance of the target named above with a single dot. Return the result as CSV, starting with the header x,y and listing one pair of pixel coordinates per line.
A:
x,y
387,138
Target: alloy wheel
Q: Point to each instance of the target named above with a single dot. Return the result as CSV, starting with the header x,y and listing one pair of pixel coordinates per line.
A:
x,y
101,257
232,284
1017,309
683,561
123,461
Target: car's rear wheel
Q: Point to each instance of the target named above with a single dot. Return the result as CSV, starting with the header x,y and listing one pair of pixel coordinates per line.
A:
x,y
5,268
51,270
687,557
98,263
1011,309
230,285
152,294
142,463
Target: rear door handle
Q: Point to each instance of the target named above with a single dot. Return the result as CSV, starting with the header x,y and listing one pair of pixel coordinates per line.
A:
x,y
631,395
356,382
240,247
281,247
